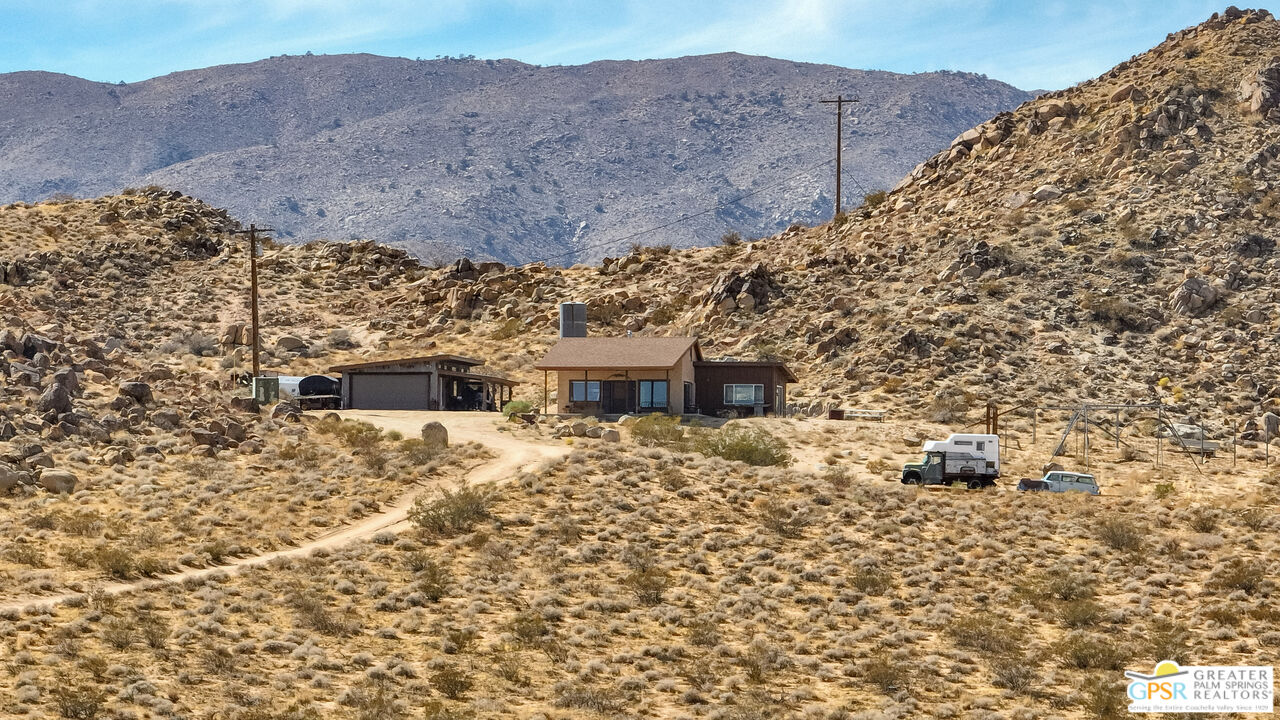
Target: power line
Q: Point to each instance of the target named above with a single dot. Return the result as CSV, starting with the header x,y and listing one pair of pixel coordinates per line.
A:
x,y
839,103
684,218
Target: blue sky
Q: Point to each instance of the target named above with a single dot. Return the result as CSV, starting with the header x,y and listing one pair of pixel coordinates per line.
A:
x,y
1034,44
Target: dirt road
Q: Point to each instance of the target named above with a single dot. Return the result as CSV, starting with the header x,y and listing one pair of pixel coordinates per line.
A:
x,y
511,457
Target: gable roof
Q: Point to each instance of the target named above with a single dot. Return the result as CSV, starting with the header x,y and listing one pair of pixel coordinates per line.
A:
x,y
786,371
413,360
627,353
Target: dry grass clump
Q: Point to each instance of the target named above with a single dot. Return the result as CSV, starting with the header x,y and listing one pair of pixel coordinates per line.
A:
x,y
603,588
159,516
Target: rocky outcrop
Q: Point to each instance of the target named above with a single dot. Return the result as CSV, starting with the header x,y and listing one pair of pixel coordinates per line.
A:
x,y
1261,91
1195,296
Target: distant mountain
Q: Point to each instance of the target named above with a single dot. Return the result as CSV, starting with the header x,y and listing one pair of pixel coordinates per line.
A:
x,y
489,158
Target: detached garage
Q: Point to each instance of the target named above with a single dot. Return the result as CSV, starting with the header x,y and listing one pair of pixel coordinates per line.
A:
x,y
432,382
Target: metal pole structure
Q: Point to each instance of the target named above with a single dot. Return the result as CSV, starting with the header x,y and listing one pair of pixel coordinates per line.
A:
x,y
839,103
1086,437
1235,431
252,232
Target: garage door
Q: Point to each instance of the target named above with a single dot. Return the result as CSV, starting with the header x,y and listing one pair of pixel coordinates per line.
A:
x,y
398,391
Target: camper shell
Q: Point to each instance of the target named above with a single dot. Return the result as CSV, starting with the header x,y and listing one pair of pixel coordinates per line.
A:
x,y
970,459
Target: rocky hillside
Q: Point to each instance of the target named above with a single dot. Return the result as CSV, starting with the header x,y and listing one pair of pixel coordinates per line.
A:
x,y
492,159
1113,242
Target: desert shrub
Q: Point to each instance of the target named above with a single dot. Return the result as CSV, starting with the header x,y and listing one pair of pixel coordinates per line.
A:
x,y
1115,313
78,702
1014,671
984,634
451,512
1204,520
313,613
1163,490
1057,585
418,452
657,430
1080,614
529,628
451,681
599,700
517,407
777,518
25,554
874,199
1118,533
1237,574
731,238
871,581
118,562
886,673
648,584
751,445
1167,640
118,632
433,580
510,328
704,632
1089,652
1104,698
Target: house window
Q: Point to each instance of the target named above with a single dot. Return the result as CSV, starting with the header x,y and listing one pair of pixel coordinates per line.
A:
x,y
584,390
743,394
653,393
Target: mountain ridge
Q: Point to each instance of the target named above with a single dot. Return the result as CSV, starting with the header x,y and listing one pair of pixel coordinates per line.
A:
x,y
490,158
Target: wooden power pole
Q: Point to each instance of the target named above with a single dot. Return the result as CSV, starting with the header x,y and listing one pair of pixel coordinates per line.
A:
x,y
252,232
839,103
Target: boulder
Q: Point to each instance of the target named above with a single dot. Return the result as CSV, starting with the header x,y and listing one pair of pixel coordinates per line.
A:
x,y
595,431
58,481
1194,296
1047,193
1128,92
166,419
201,436
610,435
56,400
579,429
10,477
138,391
435,435
244,404
290,343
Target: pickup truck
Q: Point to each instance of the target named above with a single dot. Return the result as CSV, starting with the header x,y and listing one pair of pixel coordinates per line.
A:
x,y
1061,481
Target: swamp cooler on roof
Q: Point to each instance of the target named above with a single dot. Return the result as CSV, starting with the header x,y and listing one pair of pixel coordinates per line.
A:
x,y
573,319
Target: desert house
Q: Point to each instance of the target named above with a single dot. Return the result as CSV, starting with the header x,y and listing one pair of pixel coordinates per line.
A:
x,y
617,375
430,382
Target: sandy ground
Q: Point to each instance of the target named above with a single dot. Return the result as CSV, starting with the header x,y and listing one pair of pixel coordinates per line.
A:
x,y
512,455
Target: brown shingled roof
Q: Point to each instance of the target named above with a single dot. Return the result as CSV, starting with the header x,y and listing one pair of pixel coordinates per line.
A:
x,y
627,353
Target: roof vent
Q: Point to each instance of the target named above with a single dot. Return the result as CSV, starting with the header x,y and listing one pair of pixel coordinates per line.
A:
x,y
573,319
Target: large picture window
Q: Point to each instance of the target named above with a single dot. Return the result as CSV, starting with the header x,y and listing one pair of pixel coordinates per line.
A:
x,y
653,394
584,390
738,394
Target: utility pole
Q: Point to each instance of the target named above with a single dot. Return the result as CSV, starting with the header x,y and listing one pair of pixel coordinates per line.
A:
x,y
252,232
839,103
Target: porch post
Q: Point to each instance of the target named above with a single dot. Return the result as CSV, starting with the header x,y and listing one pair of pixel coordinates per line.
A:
x,y
545,409
667,375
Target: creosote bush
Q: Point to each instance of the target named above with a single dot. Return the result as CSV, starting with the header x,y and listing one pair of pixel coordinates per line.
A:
x,y
751,445
451,512
1118,533
657,430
